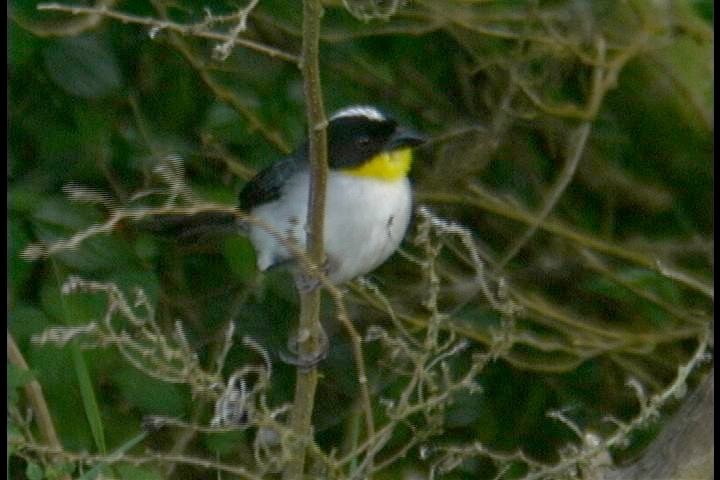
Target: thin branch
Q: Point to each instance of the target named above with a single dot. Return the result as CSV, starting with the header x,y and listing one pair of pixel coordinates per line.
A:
x,y
487,202
35,396
68,28
223,50
566,175
310,330
704,287
359,358
141,459
41,250
179,28
605,75
596,264
228,96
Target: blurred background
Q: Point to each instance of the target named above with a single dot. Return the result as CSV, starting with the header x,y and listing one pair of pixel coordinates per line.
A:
x,y
572,139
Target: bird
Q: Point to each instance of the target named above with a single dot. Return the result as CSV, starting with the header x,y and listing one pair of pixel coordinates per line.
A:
x,y
369,197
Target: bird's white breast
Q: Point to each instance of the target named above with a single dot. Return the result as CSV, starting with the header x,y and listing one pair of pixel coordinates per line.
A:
x,y
365,221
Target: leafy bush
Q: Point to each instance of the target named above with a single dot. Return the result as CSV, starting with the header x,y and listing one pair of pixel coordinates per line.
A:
x,y
552,297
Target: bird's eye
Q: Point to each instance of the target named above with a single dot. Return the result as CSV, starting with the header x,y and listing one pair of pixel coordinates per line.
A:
x,y
363,141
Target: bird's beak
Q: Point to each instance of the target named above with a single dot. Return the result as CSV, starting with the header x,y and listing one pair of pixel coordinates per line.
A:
x,y
404,138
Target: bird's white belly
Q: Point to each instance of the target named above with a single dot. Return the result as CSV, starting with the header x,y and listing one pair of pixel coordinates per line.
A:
x,y
365,221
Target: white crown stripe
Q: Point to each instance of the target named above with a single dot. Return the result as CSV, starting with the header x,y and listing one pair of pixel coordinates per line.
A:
x,y
366,111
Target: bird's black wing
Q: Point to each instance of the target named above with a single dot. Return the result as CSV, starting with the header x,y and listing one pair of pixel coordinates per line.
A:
x,y
266,185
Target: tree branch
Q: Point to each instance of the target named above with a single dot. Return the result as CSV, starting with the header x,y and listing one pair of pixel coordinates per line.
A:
x,y
35,396
193,30
310,330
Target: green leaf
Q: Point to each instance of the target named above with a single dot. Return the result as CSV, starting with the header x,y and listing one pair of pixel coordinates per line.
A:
x,y
226,442
225,124
58,219
33,471
19,269
149,395
239,253
146,247
72,309
59,471
18,377
55,372
83,66
58,211
131,472
129,280
93,124
24,197
22,44
66,311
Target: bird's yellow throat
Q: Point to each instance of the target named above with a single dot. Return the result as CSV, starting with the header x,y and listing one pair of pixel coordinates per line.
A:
x,y
387,166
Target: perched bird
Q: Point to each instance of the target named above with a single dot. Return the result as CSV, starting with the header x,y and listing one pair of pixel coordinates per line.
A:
x,y
368,196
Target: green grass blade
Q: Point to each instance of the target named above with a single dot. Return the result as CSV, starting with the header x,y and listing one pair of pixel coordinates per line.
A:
x,y
92,411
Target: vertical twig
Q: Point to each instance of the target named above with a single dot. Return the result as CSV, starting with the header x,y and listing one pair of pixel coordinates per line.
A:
x,y
35,396
356,341
310,329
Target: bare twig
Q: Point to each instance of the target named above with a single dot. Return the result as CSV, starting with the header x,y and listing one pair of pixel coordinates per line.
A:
x,y
35,396
576,150
223,50
310,330
485,201
164,458
226,95
181,29
682,277
68,28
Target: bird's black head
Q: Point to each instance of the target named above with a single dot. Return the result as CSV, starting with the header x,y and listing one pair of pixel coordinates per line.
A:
x,y
356,134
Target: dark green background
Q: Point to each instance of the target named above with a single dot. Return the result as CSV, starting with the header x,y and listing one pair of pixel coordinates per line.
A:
x,y
102,108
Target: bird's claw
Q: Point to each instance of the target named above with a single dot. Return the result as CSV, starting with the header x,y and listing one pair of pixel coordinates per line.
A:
x,y
306,361
307,282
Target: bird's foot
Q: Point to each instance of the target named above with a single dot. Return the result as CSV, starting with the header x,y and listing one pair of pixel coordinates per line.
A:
x,y
308,281
300,357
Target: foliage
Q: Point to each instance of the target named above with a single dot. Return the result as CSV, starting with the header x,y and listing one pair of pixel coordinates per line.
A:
x,y
553,296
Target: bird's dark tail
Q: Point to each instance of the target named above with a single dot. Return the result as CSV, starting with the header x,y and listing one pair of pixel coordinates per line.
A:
x,y
192,227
